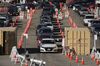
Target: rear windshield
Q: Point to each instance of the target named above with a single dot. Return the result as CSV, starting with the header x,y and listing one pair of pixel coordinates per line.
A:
x,y
45,36
48,41
97,28
83,9
2,20
46,31
89,17
49,24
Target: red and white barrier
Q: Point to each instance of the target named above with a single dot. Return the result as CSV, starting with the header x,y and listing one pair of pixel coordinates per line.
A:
x,y
26,29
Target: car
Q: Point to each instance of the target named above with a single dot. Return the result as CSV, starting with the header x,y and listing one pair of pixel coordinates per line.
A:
x,y
44,31
48,24
83,11
57,37
39,38
44,36
45,21
95,28
13,10
38,27
77,7
55,23
48,45
88,18
45,18
94,21
5,19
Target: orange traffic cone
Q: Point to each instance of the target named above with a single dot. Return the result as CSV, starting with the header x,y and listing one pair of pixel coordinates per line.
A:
x,y
97,62
76,59
71,56
93,57
82,61
26,63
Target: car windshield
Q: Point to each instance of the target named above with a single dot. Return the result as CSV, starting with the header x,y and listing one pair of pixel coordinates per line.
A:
x,y
45,36
97,28
89,17
83,9
47,31
48,41
2,20
57,36
39,26
49,24
95,22
96,25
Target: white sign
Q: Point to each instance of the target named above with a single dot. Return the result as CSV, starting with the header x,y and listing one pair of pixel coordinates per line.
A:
x,y
13,53
95,37
26,35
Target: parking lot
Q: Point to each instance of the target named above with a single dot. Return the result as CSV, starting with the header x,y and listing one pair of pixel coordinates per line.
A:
x,y
52,59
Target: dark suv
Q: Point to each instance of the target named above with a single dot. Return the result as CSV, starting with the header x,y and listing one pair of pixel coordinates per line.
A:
x,y
5,20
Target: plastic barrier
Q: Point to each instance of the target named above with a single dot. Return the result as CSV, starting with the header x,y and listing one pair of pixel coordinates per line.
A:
x,y
69,20
82,61
13,53
22,59
39,62
26,29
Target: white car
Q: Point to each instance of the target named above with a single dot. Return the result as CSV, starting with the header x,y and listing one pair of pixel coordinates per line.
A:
x,y
48,45
88,18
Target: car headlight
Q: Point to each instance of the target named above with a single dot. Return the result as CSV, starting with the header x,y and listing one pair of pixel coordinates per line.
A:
x,y
55,48
42,49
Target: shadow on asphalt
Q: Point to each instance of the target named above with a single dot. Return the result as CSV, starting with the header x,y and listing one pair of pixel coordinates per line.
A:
x,y
34,50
